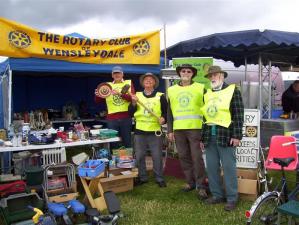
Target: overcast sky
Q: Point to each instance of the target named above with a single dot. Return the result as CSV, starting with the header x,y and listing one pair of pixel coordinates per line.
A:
x,y
184,19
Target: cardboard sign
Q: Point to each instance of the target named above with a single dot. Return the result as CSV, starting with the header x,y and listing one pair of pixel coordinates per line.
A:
x,y
247,152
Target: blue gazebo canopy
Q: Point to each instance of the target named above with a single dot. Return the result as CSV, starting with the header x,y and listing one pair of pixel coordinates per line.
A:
x,y
277,46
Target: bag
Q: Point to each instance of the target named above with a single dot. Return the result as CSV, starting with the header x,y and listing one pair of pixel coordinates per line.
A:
x,y
12,188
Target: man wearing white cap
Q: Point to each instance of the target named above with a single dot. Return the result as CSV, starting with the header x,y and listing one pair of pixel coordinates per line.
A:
x,y
117,104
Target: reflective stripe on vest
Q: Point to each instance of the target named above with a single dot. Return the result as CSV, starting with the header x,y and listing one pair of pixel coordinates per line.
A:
x,y
187,117
216,110
185,103
144,120
115,103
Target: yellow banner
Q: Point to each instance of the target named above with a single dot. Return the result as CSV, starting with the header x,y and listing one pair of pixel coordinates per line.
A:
x,y
19,41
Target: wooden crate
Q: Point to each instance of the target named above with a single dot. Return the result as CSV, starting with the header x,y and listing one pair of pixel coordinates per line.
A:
x,y
63,194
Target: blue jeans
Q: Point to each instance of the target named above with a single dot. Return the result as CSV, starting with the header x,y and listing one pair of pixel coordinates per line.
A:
x,y
227,156
124,128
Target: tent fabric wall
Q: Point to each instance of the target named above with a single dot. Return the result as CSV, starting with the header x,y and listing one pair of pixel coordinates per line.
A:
x,y
4,73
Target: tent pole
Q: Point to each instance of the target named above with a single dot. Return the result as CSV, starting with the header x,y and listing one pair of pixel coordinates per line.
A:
x,y
260,86
245,68
270,90
9,97
165,55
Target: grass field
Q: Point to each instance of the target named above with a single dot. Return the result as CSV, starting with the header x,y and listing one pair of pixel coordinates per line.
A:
x,y
150,205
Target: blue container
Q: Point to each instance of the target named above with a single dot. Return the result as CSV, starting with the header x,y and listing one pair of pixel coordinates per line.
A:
x,y
276,113
77,207
91,168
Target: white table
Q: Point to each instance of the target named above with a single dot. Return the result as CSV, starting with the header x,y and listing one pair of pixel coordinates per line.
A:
x,y
60,145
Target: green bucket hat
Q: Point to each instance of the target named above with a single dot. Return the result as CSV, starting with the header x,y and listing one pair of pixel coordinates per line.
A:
x,y
216,69
186,66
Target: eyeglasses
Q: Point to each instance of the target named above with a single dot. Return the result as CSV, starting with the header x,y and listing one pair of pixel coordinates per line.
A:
x,y
186,71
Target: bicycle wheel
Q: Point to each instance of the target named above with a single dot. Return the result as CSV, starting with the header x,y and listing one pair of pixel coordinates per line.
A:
x,y
265,212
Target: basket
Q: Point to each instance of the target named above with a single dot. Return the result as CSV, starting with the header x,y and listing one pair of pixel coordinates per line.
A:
x,y
92,168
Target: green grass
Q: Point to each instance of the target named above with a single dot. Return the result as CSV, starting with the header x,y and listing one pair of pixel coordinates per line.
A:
x,y
150,205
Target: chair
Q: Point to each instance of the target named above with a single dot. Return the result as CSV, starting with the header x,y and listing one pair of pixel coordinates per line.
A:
x,y
278,150
291,209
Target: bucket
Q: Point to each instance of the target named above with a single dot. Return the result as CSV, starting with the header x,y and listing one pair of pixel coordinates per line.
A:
x,y
34,176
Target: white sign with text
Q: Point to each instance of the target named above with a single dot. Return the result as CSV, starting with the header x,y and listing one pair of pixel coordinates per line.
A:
x,y
247,152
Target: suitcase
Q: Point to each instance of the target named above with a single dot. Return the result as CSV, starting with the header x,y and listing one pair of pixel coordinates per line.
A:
x,y
12,188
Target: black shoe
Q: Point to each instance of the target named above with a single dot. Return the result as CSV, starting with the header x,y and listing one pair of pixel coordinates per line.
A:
x,y
230,206
213,200
162,184
138,182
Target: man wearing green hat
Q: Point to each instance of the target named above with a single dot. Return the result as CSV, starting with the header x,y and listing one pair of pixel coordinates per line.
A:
x,y
184,123
224,114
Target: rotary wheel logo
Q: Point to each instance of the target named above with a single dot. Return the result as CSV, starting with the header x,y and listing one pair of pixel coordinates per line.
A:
x,y
251,131
184,101
19,39
117,100
142,47
212,110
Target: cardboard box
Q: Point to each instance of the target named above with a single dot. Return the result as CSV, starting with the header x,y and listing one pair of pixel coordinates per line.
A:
x,y
247,183
117,182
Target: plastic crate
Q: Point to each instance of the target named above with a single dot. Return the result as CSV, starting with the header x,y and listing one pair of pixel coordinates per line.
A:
x,y
14,208
108,133
91,168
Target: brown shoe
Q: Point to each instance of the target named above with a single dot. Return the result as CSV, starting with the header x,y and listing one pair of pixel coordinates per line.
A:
x,y
213,200
188,188
229,206
202,194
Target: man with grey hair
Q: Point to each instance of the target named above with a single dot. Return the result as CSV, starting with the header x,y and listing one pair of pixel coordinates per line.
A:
x,y
148,127
224,114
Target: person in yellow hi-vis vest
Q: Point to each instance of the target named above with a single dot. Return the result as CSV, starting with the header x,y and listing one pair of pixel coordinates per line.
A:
x,y
224,114
148,127
184,123
118,117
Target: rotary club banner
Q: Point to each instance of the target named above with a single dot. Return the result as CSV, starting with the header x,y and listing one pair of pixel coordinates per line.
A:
x,y
21,41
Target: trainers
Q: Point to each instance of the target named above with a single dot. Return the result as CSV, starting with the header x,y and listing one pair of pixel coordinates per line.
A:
x,y
213,200
202,194
162,184
229,206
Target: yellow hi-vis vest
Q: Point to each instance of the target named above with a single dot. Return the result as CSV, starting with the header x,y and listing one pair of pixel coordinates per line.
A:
x,y
185,103
144,120
115,103
216,108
